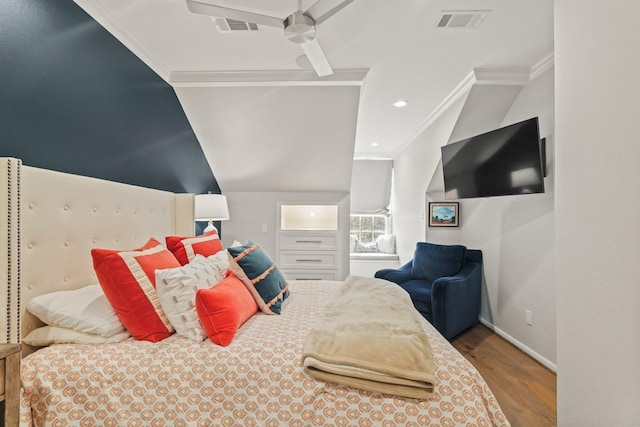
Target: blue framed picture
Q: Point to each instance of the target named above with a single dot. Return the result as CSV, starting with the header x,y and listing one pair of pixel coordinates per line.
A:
x,y
444,214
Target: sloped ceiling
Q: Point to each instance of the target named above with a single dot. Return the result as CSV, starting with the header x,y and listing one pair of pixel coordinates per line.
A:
x,y
484,109
74,99
296,137
406,56
280,138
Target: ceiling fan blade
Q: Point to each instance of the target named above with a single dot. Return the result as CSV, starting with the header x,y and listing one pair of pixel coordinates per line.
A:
x,y
317,58
325,9
204,8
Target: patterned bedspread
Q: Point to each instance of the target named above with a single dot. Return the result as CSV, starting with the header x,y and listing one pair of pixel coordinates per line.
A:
x,y
257,380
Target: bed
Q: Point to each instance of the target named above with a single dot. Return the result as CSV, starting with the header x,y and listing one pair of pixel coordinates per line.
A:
x,y
258,379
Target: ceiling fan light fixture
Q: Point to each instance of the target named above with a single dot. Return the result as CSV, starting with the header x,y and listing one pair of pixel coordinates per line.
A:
x,y
299,28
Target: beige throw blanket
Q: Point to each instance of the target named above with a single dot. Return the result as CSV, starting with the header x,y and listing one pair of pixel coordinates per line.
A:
x,y
370,337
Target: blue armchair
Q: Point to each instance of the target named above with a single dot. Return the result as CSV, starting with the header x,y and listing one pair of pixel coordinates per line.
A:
x,y
444,282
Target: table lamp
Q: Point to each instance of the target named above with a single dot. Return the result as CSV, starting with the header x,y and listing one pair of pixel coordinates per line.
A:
x,y
211,207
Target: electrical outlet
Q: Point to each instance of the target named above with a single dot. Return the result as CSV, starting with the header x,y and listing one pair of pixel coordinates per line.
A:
x,y
528,317
264,228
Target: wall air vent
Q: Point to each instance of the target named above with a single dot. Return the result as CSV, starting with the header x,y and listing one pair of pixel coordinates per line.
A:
x,y
231,25
462,18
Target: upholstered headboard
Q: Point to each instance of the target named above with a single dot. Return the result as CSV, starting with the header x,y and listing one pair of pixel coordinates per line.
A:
x,y
51,220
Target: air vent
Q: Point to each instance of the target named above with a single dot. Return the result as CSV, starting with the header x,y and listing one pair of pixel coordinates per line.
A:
x,y
231,25
462,18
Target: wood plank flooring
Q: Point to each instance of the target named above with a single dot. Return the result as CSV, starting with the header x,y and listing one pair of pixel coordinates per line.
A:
x,y
525,390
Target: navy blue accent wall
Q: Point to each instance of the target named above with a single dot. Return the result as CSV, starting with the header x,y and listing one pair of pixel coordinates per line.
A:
x,y
74,99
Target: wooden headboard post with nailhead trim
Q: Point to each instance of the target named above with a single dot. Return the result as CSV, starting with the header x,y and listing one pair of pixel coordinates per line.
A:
x,y
10,198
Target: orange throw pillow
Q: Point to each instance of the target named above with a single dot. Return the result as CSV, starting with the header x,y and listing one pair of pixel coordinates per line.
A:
x,y
128,279
223,308
186,248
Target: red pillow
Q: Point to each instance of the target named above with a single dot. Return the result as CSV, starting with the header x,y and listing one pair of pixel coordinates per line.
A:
x,y
128,281
186,248
223,308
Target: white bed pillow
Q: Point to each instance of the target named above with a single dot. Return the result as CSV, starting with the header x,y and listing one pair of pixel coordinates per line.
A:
x,y
366,247
386,243
220,261
84,310
177,287
48,335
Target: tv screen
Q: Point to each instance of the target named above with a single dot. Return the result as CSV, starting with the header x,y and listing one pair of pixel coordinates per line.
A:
x,y
502,162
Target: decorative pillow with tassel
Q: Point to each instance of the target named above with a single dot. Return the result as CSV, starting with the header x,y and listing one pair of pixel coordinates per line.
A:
x,y
264,280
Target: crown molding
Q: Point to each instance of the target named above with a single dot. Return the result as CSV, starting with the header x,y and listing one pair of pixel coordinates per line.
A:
x,y
353,77
485,76
541,66
501,76
101,15
461,90
513,75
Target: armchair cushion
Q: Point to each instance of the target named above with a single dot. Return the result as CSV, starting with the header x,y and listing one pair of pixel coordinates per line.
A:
x,y
431,261
420,293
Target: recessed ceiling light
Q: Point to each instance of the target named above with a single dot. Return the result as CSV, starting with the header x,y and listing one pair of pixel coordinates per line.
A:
x,y
374,144
401,103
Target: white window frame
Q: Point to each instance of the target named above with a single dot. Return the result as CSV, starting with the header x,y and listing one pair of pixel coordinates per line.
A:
x,y
359,232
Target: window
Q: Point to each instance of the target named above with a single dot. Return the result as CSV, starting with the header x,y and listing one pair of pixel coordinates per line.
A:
x,y
368,227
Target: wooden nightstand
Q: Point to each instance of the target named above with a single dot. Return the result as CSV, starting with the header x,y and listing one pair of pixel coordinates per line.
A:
x,y
10,383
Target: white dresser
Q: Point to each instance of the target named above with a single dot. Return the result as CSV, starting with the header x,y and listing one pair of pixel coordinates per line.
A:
x,y
308,242
309,255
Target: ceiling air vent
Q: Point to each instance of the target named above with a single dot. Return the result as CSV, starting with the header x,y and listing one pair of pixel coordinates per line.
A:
x,y
462,18
231,25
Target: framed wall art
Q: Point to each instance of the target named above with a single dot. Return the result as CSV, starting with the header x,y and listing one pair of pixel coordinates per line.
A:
x,y
444,214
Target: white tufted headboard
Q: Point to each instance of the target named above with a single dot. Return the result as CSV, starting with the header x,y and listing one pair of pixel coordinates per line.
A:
x,y
51,220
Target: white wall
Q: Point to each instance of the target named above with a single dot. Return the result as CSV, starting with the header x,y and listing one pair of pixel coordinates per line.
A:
x,y
412,171
515,233
598,212
517,238
250,211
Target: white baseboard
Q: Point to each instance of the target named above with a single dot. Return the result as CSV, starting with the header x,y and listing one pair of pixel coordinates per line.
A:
x,y
538,357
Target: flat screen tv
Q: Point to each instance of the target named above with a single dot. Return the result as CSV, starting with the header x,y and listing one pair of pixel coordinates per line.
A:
x,y
502,162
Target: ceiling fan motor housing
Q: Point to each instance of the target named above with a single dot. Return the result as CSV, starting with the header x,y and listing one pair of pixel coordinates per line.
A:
x,y
300,28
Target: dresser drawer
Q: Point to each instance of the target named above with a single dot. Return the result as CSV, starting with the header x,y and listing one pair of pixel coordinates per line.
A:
x,y
308,260
310,274
308,241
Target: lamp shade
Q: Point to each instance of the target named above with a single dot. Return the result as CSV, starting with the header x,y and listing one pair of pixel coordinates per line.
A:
x,y
211,207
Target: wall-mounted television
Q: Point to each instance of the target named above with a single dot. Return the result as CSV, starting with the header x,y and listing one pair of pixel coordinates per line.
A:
x,y
506,161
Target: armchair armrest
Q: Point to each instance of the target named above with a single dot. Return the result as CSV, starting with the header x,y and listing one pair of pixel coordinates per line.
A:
x,y
396,275
455,301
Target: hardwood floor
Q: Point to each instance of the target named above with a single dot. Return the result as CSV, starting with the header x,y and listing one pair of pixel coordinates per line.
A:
x,y
525,389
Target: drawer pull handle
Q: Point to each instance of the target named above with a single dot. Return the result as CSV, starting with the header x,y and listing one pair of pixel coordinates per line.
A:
x,y
308,241
308,260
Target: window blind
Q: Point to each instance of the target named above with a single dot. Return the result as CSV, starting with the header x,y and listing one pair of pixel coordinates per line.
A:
x,y
371,186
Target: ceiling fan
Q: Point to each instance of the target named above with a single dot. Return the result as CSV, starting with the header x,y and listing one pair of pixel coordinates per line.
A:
x,y
299,27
